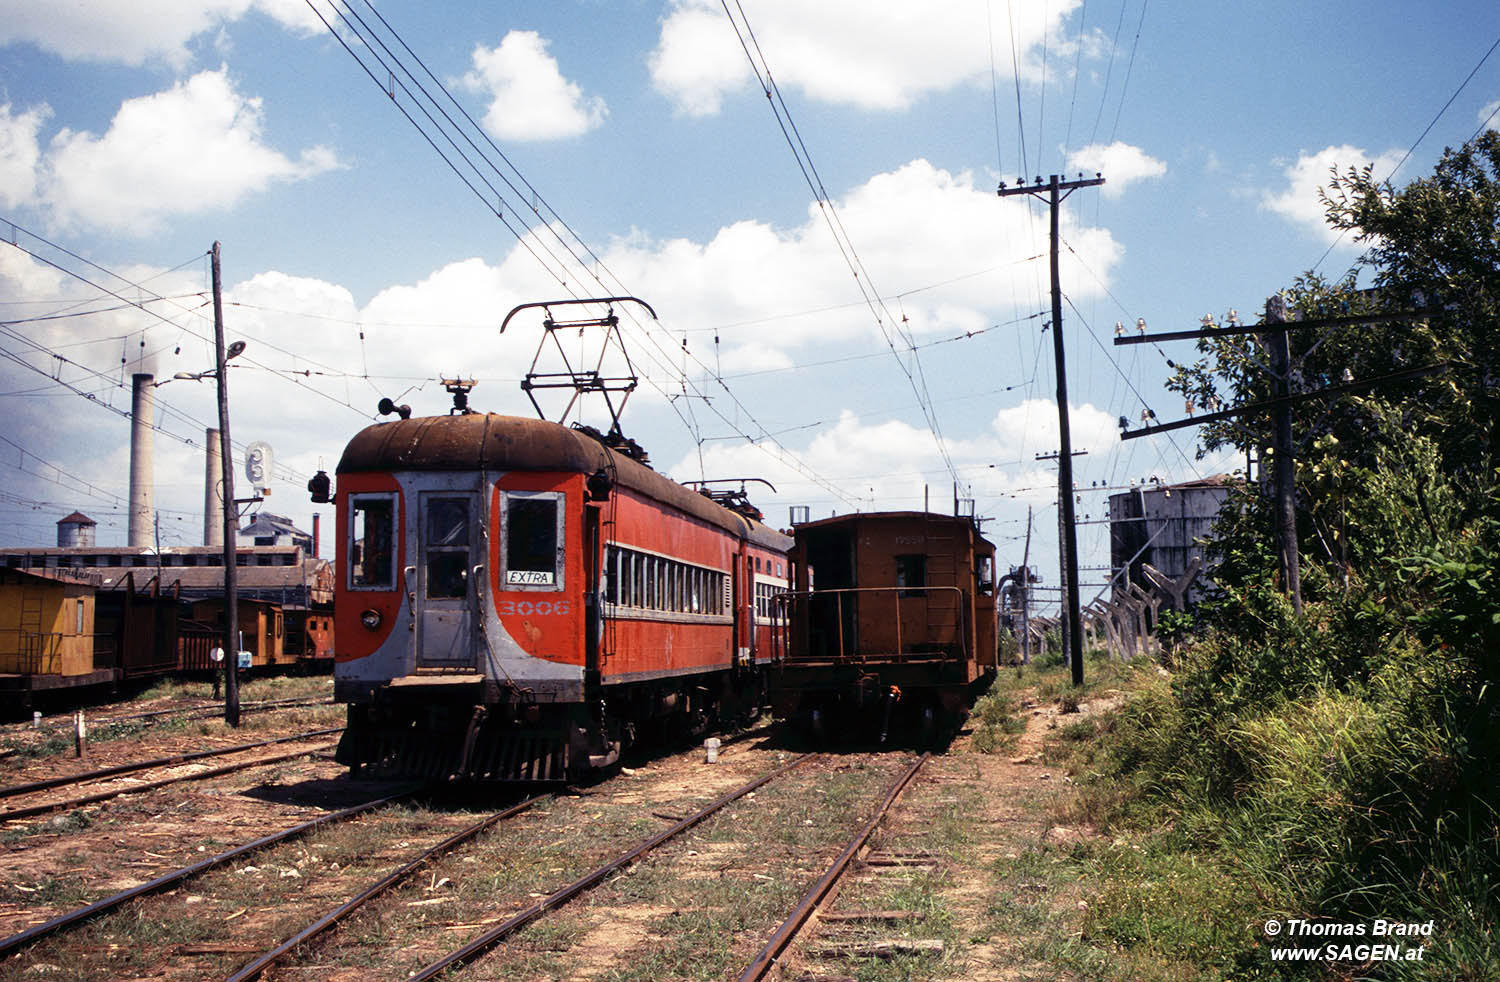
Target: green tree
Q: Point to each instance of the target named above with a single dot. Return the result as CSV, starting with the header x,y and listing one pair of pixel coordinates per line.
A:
x,y
1434,248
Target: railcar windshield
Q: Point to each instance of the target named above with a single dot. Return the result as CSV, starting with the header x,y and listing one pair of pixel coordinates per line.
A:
x,y
372,542
531,554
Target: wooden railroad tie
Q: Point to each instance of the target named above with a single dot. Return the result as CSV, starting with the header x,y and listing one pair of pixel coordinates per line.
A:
x,y
855,916
880,949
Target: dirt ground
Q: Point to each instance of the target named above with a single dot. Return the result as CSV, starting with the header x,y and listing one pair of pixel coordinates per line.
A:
x,y
967,824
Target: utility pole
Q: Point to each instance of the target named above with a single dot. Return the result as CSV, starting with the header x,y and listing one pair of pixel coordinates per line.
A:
x,y
1285,463
1272,333
1072,616
231,511
1026,594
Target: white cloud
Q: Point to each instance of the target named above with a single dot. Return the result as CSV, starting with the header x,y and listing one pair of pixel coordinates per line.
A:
x,y
936,222
1120,163
19,153
195,147
1299,202
872,56
1487,115
893,464
920,219
529,98
134,33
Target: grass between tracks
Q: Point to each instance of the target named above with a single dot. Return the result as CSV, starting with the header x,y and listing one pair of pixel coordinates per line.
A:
x,y
55,736
698,908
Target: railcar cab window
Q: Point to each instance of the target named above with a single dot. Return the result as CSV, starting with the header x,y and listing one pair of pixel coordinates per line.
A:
x,y
533,540
372,542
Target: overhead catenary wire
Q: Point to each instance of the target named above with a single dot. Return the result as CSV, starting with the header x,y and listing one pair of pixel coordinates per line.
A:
x,y
139,304
450,129
149,296
884,319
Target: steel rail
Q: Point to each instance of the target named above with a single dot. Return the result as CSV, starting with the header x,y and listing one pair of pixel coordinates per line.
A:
x,y
216,711
328,920
58,722
589,880
212,707
54,782
16,941
784,934
90,799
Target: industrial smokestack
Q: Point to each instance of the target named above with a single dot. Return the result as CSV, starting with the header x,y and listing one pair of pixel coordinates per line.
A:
x,y
317,521
213,495
142,410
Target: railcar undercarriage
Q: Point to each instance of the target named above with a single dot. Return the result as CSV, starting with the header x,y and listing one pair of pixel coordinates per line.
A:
x,y
463,732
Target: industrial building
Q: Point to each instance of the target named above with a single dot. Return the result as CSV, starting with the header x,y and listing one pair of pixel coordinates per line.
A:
x,y
1164,526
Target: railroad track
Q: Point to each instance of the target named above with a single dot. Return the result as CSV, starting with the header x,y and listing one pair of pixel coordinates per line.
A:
x,y
198,710
816,898
210,710
245,950
558,898
78,916
106,773
385,883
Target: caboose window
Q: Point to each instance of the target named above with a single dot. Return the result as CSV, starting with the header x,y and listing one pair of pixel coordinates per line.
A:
x,y
372,542
911,571
533,540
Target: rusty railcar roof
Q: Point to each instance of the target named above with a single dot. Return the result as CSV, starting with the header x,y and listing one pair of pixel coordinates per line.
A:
x,y
893,517
489,441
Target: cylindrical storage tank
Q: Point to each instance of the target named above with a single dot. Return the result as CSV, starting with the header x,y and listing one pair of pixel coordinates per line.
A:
x,y
76,531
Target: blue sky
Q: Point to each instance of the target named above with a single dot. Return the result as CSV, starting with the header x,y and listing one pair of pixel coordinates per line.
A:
x,y
357,264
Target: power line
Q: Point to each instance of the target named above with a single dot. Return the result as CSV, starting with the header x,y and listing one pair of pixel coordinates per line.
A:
x,y
1412,149
1077,70
1109,71
1129,67
86,487
876,303
141,306
458,129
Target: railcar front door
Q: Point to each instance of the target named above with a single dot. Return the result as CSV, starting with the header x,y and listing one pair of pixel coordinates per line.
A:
x,y
448,580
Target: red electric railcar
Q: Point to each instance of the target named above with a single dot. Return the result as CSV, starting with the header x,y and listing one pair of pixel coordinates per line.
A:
x,y
517,601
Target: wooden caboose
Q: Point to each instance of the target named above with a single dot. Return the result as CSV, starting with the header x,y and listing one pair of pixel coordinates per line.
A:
x,y
892,614
46,631
262,629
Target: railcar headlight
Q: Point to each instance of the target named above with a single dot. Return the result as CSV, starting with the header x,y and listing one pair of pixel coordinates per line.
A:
x,y
370,618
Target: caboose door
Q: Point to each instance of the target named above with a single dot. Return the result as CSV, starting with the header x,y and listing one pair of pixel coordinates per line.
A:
x,y
447,588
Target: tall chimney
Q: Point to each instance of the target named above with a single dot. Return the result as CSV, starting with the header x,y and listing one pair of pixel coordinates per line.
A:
x,y
317,519
142,409
213,496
